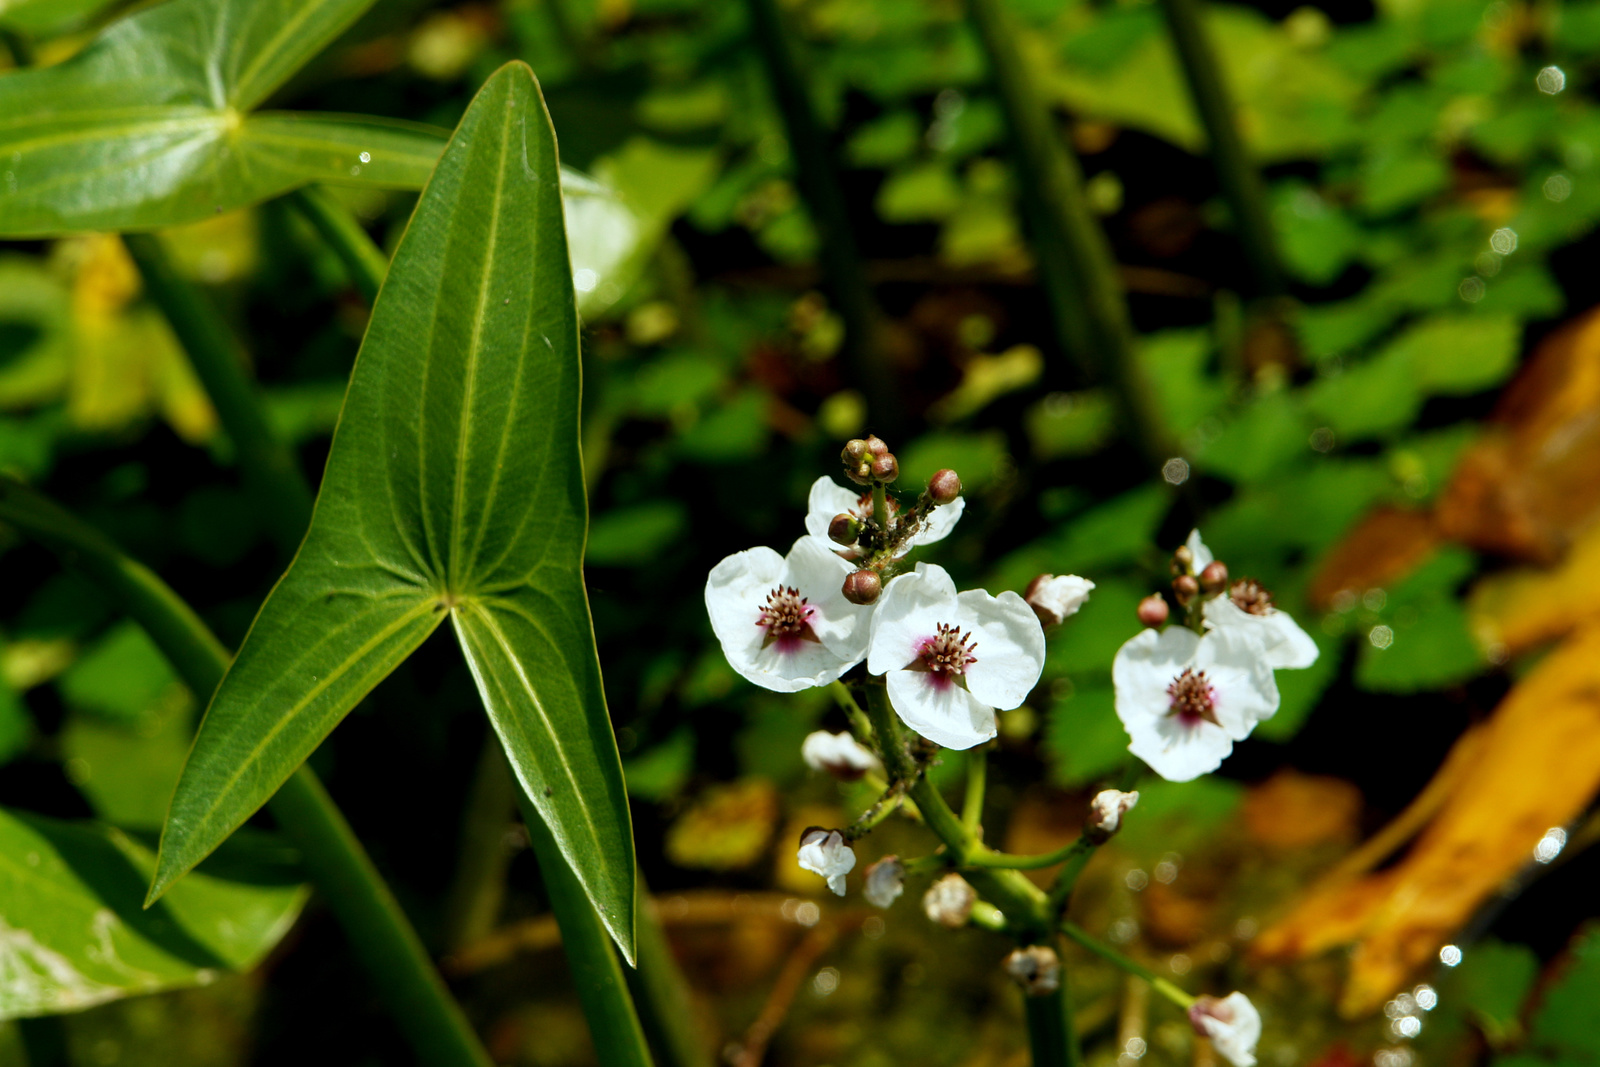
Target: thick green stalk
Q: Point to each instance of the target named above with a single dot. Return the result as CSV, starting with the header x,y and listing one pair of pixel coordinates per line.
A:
x,y
1133,967
661,993
596,971
1238,177
1050,1033
818,177
378,930
658,980
1075,261
477,889
363,259
977,779
268,464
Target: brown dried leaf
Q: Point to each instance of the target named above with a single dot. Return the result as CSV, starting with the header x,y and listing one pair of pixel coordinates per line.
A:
x,y
728,826
1291,810
1536,766
1385,546
1522,609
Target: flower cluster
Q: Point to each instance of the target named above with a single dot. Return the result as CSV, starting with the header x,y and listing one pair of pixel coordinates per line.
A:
x,y
1186,693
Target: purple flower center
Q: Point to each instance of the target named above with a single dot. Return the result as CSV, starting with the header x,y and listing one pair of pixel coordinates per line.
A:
x,y
946,655
786,616
1193,699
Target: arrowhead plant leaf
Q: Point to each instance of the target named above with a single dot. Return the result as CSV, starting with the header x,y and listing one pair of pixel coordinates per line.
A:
x,y
454,488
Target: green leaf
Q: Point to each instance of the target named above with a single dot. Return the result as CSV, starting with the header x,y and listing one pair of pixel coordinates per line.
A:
x,y
150,125
1084,737
74,932
453,488
1566,1018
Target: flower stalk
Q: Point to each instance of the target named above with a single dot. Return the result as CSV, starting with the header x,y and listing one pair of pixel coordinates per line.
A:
x,y
1128,964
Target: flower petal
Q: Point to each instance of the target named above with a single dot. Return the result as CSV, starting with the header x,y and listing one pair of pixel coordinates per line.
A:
x,y
944,713
1009,650
940,522
735,591
1144,667
827,499
1285,645
819,575
1245,690
907,614
1176,751
1197,548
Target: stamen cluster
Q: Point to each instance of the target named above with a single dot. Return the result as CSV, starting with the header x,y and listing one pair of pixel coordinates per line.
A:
x,y
1193,698
786,613
1251,596
949,651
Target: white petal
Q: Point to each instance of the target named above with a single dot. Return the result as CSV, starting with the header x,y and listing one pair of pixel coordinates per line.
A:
x,y
827,499
1242,684
945,714
907,614
1179,752
1144,667
819,575
940,522
1236,1039
1197,548
735,592
1285,645
1010,646
824,852
823,751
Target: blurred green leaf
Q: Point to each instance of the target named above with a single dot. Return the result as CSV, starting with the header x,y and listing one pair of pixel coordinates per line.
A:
x,y
1070,424
659,772
1259,440
634,535
1492,981
1299,690
127,770
123,678
1425,640
1565,1019
1177,816
1083,736
76,933
454,488
980,458
1088,640
35,333
16,725
923,192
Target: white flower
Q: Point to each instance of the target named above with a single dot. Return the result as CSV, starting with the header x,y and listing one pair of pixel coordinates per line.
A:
x,y
824,852
949,901
1037,969
1106,811
783,622
1248,607
1185,699
885,882
952,660
838,754
829,498
1054,598
1233,1024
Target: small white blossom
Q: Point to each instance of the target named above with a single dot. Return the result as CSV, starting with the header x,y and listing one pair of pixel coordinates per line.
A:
x,y
886,880
950,660
1037,969
1185,699
824,852
949,901
1056,597
1247,606
838,754
783,622
1106,811
829,498
1233,1024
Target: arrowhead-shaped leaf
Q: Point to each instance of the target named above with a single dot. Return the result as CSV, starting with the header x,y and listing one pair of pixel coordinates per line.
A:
x,y
454,486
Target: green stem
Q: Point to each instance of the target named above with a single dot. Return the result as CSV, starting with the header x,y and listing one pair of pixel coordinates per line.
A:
x,y
362,258
219,363
817,175
1238,177
847,703
972,803
20,45
662,994
1075,262
478,886
885,806
1139,970
596,971
378,930
1050,1033
880,510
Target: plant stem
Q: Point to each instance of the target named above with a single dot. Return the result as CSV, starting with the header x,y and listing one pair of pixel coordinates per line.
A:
x,y
1075,262
661,994
817,175
267,463
362,258
1050,1032
20,45
478,887
972,803
378,930
596,971
847,703
1139,970
880,511
1239,179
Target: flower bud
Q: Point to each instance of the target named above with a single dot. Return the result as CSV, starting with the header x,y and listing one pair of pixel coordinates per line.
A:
x,y
949,901
1214,578
841,755
1037,969
862,587
1105,814
885,882
855,450
1185,588
944,486
1233,1024
875,445
824,852
844,529
1053,598
1182,560
885,468
1153,610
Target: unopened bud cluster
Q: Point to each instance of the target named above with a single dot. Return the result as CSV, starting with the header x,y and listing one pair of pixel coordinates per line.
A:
x,y
879,532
